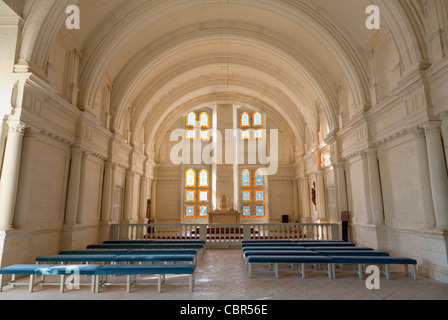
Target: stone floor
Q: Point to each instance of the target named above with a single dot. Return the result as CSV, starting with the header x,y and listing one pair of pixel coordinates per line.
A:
x,y
221,275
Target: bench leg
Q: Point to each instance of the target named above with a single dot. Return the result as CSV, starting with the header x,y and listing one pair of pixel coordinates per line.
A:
x,y
387,272
30,289
303,270
159,283
414,271
249,269
191,282
128,283
92,284
61,284
276,270
360,271
329,270
97,284
333,267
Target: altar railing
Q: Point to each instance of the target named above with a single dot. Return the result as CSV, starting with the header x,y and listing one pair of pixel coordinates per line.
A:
x,y
226,234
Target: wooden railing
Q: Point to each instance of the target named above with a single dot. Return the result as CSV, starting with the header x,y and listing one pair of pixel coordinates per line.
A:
x,y
225,234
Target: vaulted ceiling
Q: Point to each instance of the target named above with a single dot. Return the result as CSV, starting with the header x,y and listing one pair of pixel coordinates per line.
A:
x,y
166,56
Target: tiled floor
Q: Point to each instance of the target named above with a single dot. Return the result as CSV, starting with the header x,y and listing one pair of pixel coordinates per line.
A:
x,y
221,275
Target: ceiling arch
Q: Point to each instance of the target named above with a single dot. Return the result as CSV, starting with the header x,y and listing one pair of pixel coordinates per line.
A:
x,y
139,74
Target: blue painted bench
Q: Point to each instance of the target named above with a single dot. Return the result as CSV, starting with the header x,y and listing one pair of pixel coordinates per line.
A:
x,y
198,246
326,244
339,248
129,258
369,260
154,241
160,270
71,258
278,253
367,253
147,246
301,260
274,248
132,252
48,270
285,244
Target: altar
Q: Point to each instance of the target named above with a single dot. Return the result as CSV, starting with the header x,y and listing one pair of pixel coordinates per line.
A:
x,y
224,215
229,217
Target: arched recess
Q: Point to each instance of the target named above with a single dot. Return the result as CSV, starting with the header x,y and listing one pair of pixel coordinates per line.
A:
x,y
42,24
407,31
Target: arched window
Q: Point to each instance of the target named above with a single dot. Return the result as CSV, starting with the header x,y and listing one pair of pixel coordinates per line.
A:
x,y
191,119
259,178
203,179
245,178
197,193
190,178
258,119
245,120
204,120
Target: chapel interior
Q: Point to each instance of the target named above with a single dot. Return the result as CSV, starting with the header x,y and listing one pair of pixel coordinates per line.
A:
x,y
224,111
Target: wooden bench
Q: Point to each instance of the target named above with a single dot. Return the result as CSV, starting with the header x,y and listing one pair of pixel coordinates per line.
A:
x,y
160,270
370,260
301,260
33,270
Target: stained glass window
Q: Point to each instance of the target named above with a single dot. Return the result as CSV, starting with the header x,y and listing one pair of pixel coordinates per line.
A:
x,y
189,211
203,196
197,193
245,134
204,120
258,119
258,134
245,178
190,178
259,178
259,211
205,135
191,134
191,119
190,196
259,196
246,211
203,211
246,196
245,120
203,179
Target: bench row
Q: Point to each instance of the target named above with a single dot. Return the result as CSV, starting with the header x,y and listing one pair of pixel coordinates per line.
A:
x,y
97,272
330,261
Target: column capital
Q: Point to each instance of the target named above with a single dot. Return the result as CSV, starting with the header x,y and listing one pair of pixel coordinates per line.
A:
x,y
418,132
110,165
17,127
433,127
